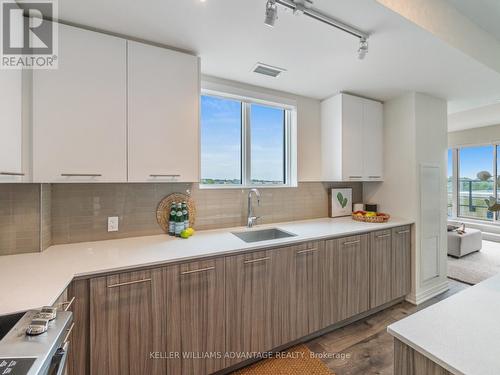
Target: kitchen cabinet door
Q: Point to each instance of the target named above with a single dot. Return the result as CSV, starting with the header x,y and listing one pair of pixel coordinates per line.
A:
x,y
352,139
380,268
401,261
11,168
305,288
126,315
196,315
345,278
353,150
79,111
78,356
250,307
372,136
163,114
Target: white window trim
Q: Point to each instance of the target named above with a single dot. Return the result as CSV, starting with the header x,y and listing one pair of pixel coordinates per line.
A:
x,y
456,182
290,156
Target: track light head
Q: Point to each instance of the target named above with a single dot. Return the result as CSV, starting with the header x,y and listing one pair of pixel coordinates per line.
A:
x,y
363,48
271,13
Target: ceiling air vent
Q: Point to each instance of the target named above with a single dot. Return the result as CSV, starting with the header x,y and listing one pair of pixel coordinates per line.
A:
x,y
268,70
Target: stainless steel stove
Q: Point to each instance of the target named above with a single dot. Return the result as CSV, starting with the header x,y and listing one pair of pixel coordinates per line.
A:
x,y
37,344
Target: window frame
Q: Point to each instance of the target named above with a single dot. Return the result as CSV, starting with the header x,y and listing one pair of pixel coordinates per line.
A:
x,y
289,152
456,182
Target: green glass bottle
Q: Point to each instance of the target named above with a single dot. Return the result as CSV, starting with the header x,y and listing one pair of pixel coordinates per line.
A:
x,y
179,220
171,219
185,214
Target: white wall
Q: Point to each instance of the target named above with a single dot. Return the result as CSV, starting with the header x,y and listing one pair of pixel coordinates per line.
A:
x,y
476,136
308,126
415,135
444,21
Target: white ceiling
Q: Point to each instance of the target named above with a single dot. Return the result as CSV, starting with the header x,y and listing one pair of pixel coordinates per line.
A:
x,y
230,37
484,13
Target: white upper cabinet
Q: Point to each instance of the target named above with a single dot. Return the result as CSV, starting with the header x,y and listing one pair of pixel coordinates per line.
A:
x,y
11,135
373,133
352,139
163,115
79,111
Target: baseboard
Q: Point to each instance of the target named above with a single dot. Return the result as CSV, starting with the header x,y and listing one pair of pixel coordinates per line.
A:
x,y
427,294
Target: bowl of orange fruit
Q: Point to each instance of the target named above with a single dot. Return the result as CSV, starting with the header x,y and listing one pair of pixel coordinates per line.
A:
x,y
370,216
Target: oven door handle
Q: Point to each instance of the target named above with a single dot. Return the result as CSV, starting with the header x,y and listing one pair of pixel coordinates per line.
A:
x,y
58,364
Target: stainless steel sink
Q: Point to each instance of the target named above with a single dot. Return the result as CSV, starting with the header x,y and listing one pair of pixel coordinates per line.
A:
x,y
263,235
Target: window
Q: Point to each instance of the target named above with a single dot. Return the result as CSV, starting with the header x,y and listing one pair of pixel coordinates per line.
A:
x,y
267,131
220,141
245,143
475,181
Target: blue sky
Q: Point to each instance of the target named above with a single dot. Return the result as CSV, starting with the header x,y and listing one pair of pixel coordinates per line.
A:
x,y
476,159
221,140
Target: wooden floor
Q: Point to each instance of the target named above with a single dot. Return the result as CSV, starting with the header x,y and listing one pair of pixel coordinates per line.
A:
x,y
365,347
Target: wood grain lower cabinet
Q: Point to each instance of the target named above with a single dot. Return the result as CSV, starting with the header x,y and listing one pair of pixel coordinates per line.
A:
x,y
381,275
78,355
251,310
305,287
123,328
195,315
272,297
401,262
345,278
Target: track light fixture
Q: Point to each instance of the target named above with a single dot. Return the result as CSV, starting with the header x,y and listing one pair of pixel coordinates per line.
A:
x,y
271,13
363,48
300,7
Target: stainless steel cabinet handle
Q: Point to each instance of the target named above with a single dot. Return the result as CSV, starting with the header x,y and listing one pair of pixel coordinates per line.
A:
x,y
129,283
384,235
355,176
81,174
352,242
68,333
164,175
404,231
374,176
250,261
197,271
11,174
66,305
307,251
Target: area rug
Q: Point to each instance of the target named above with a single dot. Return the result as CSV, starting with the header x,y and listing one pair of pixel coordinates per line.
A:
x,y
295,361
476,267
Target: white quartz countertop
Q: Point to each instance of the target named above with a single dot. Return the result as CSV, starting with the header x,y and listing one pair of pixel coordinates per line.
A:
x,y
460,333
29,281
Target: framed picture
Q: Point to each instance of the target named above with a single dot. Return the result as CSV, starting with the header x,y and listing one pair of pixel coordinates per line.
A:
x,y
340,202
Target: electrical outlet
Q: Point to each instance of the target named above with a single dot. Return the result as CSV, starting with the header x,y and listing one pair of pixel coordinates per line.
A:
x,y
113,224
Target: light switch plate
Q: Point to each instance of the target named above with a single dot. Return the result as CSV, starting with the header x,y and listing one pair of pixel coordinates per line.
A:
x,y
113,224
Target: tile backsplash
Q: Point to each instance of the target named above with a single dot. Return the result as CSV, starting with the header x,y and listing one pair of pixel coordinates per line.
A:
x,y
78,212
19,218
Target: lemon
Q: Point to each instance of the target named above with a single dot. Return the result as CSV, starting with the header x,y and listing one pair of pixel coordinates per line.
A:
x,y
190,231
185,234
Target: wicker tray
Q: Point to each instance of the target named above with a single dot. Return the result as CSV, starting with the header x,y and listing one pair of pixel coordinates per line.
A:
x,y
382,218
163,209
